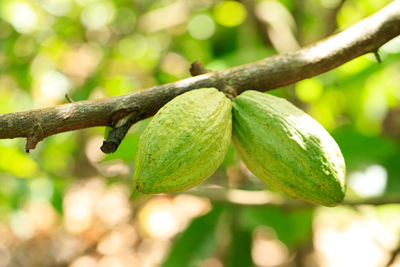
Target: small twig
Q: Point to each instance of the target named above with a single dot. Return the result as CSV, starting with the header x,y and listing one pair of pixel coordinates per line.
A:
x,y
121,128
196,68
69,99
377,56
36,136
393,256
118,132
267,74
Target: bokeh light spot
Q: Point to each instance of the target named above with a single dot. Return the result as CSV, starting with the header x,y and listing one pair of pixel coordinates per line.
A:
x,y
84,261
370,183
16,162
392,47
54,84
97,15
41,189
267,250
125,20
57,7
22,16
113,208
134,47
160,218
201,27
230,13
309,90
22,225
175,64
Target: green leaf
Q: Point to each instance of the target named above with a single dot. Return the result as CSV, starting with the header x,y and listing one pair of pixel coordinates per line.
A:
x,y
197,242
240,247
358,148
292,227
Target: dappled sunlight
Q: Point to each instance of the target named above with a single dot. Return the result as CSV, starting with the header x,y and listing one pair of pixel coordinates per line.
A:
x,y
369,183
84,261
160,218
354,239
175,64
82,62
44,217
392,47
22,224
230,13
309,90
253,197
201,27
107,168
165,17
54,85
267,249
152,251
11,159
114,207
80,203
351,247
22,16
133,47
123,238
66,203
96,15
50,88
280,25
99,218
92,152
192,206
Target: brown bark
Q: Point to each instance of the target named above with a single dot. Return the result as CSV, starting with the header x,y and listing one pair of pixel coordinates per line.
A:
x,y
270,73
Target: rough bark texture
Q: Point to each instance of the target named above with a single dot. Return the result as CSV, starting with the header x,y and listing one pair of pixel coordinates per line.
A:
x,y
273,72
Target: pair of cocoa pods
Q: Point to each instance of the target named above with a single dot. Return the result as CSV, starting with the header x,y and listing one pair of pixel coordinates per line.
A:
x,y
188,139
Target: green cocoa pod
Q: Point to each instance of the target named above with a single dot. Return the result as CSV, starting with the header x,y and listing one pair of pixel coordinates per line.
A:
x,y
287,149
184,143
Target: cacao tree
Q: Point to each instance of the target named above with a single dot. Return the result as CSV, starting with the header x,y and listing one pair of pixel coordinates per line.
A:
x,y
81,81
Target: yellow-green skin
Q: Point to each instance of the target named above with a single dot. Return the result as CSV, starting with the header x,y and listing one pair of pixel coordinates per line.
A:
x,y
184,143
287,149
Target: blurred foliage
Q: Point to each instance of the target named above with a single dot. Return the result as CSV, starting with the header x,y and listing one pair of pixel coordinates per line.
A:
x,y
68,198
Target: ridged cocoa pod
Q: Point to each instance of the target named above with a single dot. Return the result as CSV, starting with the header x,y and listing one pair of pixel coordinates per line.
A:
x,y
287,149
184,143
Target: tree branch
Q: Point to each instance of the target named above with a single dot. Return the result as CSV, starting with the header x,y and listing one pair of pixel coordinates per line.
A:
x,y
267,198
121,128
393,255
273,72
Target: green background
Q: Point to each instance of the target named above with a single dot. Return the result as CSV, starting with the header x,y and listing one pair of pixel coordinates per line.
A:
x,y
67,204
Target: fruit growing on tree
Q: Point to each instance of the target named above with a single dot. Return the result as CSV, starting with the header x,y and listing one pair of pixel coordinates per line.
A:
x,y
184,143
287,149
